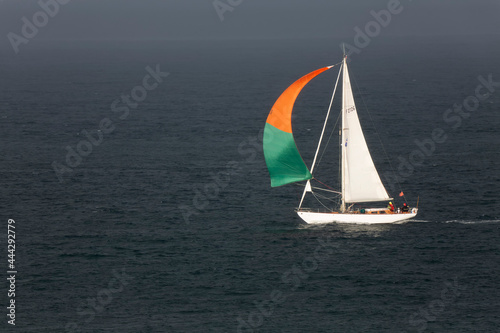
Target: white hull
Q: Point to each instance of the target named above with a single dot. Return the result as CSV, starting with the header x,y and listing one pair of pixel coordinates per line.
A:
x,y
319,218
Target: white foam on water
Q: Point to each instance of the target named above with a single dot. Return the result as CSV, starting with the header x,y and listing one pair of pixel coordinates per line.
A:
x,y
473,221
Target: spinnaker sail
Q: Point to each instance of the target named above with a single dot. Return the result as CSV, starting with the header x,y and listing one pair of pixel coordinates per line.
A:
x,y
282,156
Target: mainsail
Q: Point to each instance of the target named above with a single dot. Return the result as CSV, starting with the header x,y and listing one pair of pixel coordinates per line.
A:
x,y
283,159
360,181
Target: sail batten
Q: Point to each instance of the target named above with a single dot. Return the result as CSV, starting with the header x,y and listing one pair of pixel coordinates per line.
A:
x,y
282,156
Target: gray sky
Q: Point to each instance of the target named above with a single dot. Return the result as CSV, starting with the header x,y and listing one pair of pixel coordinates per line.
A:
x,y
198,19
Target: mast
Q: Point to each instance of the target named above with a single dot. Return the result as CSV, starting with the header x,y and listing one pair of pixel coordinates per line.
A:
x,y
342,147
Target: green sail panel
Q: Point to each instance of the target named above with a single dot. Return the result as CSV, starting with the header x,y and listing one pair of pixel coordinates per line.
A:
x,y
283,160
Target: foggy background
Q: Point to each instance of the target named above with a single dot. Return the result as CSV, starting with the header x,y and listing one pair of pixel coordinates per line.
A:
x,y
251,19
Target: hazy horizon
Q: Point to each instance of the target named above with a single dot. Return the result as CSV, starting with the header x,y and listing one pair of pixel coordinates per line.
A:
x,y
250,19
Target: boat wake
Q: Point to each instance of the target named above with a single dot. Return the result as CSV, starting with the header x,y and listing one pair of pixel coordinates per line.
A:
x,y
417,221
473,221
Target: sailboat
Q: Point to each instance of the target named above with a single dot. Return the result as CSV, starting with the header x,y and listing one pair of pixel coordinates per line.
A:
x,y
360,182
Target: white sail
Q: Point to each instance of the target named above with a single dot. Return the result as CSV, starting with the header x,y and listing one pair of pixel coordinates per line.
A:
x,y
360,180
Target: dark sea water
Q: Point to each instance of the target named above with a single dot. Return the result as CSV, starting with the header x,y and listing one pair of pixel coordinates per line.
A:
x,y
169,224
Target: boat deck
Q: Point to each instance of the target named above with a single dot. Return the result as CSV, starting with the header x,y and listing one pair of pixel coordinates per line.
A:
x,y
366,211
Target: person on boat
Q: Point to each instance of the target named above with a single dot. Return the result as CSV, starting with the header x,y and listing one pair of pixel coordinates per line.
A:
x,y
390,207
405,208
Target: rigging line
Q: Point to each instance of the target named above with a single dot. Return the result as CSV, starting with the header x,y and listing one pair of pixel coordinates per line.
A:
x,y
378,135
329,209
328,142
326,198
326,120
321,189
324,189
324,184
322,133
317,196
339,63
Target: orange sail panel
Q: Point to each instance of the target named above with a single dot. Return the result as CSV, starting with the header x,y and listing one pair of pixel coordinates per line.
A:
x,y
281,113
283,159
